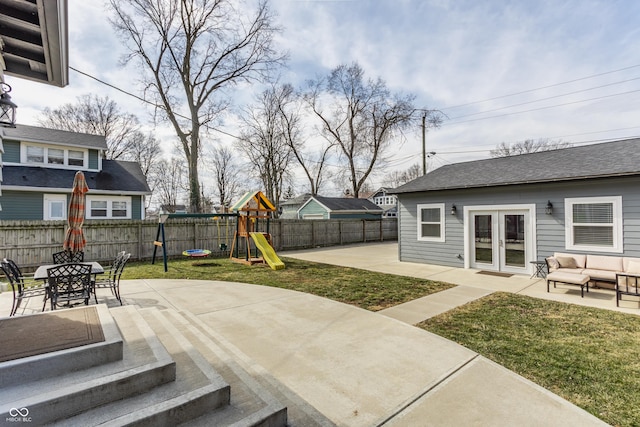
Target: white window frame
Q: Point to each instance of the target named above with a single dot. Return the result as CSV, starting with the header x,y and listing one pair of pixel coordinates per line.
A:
x,y
45,156
616,201
48,200
109,200
422,238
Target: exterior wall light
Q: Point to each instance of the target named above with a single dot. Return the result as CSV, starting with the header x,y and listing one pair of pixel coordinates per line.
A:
x,y
549,208
7,107
453,209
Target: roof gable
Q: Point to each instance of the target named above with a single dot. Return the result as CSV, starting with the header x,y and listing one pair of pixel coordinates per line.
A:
x,y
618,158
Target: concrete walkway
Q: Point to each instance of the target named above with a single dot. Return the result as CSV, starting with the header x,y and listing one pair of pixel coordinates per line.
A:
x,y
360,368
472,284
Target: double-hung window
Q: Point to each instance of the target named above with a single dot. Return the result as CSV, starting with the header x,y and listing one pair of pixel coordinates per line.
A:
x,y
594,223
44,155
431,222
108,207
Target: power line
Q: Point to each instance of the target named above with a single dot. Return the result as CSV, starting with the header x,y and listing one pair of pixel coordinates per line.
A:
x,y
544,108
546,99
539,88
146,101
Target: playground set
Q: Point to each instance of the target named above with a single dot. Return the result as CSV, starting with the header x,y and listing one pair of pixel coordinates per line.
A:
x,y
252,213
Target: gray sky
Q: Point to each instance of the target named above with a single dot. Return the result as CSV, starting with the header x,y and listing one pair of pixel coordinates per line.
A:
x,y
502,71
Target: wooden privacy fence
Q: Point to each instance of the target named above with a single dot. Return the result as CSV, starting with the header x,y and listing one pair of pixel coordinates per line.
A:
x,y
32,243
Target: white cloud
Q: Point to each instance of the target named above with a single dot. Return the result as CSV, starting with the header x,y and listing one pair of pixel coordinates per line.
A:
x,y
447,53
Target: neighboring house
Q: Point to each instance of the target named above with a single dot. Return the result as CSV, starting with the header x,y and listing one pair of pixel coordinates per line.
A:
x,y
388,202
289,208
500,214
318,207
39,165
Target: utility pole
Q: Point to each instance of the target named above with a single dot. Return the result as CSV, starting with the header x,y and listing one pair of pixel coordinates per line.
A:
x,y
424,144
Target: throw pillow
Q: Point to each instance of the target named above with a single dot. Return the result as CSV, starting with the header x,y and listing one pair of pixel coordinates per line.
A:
x,y
633,267
567,262
552,262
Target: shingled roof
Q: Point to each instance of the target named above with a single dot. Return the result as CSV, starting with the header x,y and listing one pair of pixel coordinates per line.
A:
x,y
609,159
54,136
342,204
116,176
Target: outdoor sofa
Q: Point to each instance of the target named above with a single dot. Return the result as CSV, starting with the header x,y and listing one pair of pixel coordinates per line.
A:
x,y
612,272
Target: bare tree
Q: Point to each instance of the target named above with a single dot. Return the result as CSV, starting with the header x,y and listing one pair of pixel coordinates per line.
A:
x,y
362,118
190,52
289,106
528,146
266,146
144,149
225,172
397,178
170,180
98,116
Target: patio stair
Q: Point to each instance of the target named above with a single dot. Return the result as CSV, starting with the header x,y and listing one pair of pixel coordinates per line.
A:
x,y
159,377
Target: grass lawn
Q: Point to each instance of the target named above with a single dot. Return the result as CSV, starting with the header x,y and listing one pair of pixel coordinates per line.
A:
x,y
366,289
589,356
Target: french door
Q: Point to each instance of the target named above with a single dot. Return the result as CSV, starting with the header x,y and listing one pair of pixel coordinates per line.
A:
x,y
500,240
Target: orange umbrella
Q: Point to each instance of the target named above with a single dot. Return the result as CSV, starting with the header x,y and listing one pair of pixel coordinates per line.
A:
x,y
74,240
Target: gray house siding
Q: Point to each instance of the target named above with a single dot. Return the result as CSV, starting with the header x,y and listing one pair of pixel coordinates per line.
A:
x,y
11,151
21,206
93,159
136,207
29,205
313,208
550,229
12,154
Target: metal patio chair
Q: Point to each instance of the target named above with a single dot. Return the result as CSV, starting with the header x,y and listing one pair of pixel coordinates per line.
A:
x,y
111,279
23,286
64,257
69,284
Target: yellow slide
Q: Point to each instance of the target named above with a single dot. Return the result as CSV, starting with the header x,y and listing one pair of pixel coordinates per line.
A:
x,y
267,251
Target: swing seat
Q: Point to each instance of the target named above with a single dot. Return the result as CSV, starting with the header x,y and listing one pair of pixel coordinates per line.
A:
x,y
196,253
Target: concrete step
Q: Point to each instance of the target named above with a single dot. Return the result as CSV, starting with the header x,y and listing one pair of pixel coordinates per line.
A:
x,y
232,362
56,363
197,388
251,404
145,365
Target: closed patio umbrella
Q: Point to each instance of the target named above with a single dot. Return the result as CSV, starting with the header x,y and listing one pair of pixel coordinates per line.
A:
x,y
74,240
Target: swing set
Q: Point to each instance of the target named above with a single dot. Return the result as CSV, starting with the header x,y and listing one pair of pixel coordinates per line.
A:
x,y
252,212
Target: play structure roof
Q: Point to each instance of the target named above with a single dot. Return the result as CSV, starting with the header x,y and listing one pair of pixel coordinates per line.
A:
x,y
253,201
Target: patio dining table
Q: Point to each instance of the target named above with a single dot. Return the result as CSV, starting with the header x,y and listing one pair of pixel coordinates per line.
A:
x,y
41,272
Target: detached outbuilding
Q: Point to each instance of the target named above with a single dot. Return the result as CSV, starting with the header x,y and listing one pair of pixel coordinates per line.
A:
x,y
501,214
317,207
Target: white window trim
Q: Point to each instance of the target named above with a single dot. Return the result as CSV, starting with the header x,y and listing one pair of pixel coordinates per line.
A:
x,y
419,222
618,245
23,156
109,200
47,200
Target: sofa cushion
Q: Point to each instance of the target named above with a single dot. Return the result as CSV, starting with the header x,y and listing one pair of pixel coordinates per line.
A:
x,y
567,262
581,260
631,265
570,270
552,263
600,262
600,274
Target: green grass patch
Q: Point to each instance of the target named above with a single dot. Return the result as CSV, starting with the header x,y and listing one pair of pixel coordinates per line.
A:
x,y
589,356
365,289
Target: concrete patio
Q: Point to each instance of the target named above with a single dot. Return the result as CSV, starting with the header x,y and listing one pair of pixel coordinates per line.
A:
x,y
340,365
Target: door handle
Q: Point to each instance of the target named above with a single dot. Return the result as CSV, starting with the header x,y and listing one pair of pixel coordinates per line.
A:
x,y
500,243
